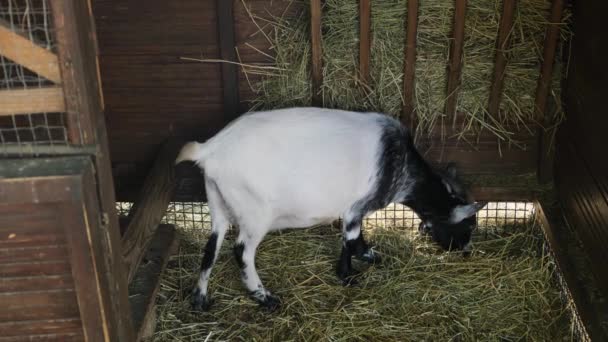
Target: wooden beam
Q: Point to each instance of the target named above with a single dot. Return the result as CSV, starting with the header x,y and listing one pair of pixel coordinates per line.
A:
x,y
409,67
455,65
317,58
500,61
29,101
146,283
149,209
546,70
365,18
230,77
23,51
544,117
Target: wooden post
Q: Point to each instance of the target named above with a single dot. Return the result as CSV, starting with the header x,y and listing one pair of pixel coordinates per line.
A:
x,y
317,58
410,65
365,17
149,209
455,66
230,77
545,158
500,62
77,53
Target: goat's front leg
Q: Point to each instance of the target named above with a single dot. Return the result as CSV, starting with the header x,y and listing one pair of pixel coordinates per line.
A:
x,y
353,244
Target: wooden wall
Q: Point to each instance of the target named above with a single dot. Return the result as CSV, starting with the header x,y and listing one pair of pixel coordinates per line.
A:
x,y
581,159
151,94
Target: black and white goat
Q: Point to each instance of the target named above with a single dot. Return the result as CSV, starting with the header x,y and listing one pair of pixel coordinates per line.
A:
x,y
299,167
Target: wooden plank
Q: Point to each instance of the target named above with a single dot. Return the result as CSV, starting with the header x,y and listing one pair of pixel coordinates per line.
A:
x,y
149,209
365,39
146,282
317,56
409,67
549,50
230,79
40,268
573,265
85,271
24,52
34,299
455,64
36,283
30,101
48,189
544,116
500,59
51,326
77,51
67,308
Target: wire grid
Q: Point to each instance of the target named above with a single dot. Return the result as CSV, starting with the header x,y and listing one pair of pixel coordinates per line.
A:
x,y
495,217
32,19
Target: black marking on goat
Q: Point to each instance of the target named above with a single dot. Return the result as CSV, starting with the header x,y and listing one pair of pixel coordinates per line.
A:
x,y
209,255
352,224
238,254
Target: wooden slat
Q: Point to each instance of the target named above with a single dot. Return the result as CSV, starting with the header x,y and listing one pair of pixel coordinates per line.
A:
x,y
455,64
52,326
410,65
149,209
36,283
544,116
24,52
317,57
230,79
365,18
550,47
36,100
146,282
500,61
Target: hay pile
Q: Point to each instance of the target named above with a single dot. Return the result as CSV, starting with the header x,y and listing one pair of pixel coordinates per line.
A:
x,y
503,292
289,84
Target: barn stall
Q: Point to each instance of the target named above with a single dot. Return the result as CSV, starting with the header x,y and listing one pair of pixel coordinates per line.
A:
x,y
98,96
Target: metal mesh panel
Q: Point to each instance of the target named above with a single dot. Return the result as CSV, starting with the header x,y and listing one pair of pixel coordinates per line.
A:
x,y
495,217
31,19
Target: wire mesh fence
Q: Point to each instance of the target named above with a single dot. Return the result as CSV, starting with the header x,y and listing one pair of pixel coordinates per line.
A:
x,y
30,19
495,217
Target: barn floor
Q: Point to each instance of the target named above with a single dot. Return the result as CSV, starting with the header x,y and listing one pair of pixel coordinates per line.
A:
x,y
505,291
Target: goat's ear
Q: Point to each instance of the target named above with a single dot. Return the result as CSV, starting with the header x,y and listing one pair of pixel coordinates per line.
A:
x,y
461,212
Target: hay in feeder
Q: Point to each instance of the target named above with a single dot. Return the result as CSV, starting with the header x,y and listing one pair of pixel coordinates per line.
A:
x,y
502,292
290,84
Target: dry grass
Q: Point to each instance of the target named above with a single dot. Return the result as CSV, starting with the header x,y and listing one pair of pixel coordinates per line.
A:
x,y
503,291
289,84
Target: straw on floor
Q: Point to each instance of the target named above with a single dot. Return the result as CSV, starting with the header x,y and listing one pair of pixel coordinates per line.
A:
x,y
503,291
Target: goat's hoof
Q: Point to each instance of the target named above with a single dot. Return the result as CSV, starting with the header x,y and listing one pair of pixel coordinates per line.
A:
x,y
200,302
370,257
349,278
266,299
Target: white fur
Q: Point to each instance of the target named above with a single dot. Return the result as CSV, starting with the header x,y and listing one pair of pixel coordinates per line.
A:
x,y
271,171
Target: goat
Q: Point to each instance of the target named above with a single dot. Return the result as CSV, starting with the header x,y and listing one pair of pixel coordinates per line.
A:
x,y
299,167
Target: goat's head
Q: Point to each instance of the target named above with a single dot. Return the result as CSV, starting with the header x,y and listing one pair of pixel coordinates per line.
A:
x,y
453,229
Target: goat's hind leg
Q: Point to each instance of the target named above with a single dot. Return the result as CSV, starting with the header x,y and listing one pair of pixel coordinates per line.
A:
x,y
201,301
244,253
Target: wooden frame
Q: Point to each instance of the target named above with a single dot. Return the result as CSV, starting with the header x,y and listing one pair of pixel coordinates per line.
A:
x,y
65,188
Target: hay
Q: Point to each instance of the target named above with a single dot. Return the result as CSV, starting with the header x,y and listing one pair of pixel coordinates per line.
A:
x,y
502,292
291,86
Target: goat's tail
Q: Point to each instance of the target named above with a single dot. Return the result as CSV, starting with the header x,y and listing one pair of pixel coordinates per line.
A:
x,y
192,151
